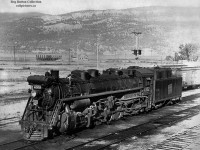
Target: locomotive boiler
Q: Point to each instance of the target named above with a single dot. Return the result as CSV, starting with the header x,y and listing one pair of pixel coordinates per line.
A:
x,y
86,98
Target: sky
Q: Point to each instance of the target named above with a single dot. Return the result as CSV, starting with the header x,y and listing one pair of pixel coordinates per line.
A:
x,y
55,7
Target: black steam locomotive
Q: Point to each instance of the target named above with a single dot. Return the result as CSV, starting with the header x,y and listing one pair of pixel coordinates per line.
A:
x,y
86,98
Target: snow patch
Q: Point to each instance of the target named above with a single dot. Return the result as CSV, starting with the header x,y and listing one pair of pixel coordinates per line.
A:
x,y
62,26
13,87
12,110
51,18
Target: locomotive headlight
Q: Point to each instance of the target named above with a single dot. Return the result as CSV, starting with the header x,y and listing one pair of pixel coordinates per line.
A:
x,y
49,91
33,93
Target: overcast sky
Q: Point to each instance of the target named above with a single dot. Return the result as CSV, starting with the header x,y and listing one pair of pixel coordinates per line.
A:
x,y
65,6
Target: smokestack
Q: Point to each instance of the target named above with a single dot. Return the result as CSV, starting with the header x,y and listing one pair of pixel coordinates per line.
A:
x,y
55,74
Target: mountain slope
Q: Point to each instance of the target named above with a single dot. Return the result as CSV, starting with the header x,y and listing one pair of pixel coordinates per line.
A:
x,y
163,29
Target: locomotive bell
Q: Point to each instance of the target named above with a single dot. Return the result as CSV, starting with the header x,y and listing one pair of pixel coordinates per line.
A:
x,y
55,74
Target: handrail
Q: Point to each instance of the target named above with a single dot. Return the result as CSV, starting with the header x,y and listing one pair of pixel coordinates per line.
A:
x,y
26,107
70,99
55,112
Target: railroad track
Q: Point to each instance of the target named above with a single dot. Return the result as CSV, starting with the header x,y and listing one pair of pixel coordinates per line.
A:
x,y
6,121
22,144
16,145
106,141
179,141
9,99
109,139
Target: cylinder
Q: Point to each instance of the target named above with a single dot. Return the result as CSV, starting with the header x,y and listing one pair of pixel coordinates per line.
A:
x,y
80,104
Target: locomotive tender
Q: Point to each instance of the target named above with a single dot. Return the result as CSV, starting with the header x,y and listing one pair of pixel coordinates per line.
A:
x,y
87,98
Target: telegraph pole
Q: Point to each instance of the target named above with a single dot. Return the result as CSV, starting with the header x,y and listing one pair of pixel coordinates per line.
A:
x,y
14,53
77,52
97,56
69,56
136,38
97,51
13,47
137,51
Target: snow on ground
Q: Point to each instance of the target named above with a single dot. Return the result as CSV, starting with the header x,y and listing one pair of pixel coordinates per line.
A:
x,y
62,27
190,92
13,87
12,110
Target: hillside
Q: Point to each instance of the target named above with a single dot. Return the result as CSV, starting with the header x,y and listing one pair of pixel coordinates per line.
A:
x,y
163,29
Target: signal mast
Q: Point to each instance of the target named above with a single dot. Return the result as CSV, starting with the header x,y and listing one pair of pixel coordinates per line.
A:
x,y
137,51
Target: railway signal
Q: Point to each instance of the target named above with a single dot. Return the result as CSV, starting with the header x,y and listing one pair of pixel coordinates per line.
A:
x,y
137,51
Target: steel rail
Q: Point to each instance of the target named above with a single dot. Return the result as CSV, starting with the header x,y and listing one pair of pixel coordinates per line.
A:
x,y
136,130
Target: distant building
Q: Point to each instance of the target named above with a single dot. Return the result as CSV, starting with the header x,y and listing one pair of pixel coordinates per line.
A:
x,y
48,57
47,54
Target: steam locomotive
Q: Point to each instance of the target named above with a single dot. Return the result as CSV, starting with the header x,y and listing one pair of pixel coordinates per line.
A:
x,y
86,98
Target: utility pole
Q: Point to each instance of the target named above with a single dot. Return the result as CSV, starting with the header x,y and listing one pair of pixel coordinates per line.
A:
x,y
13,47
69,56
136,38
137,51
77,52
97,56
24,55
97,50
14,53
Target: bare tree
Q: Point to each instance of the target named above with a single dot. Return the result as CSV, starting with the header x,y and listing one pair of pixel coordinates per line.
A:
x,y
188,52
169,58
